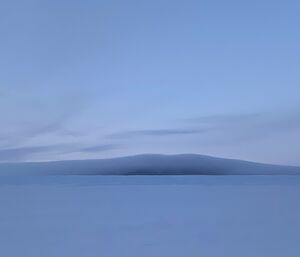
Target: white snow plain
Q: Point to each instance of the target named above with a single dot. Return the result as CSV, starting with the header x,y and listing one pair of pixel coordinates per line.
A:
x,y
150,216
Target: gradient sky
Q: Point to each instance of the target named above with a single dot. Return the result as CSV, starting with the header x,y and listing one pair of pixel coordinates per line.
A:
x,y
98,79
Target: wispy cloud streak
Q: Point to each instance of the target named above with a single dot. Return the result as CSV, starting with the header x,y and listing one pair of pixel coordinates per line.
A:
x,y
157,133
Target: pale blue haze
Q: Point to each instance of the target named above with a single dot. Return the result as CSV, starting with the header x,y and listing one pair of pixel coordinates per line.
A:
x,y
97,79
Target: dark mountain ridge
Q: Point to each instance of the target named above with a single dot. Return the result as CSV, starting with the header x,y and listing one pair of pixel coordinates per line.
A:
x,y
149,164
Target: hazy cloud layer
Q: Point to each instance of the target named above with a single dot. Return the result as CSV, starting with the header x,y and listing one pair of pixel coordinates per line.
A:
x,y
157,133
214,131
137,67
32,152
99,148
249,126
28,114
226,118
24,153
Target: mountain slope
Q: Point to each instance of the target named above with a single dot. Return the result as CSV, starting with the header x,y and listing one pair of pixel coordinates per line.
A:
x,y
185,164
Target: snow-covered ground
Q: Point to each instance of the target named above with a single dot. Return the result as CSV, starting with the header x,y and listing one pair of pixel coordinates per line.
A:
x,y
150,216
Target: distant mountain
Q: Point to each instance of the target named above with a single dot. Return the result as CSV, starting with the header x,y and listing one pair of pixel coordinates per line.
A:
x,y
150,164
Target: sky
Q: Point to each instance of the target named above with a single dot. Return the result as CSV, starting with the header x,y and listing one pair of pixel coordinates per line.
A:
x,y
99,79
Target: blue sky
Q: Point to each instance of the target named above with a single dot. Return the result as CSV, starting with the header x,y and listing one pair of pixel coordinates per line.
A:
x,y
98,79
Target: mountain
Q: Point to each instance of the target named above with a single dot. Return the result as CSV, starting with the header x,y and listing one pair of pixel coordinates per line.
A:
x,y
150,164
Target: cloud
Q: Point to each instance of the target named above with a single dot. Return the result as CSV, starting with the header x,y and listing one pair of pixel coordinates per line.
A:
x,y
27,113
30,153
26,132
99,148
244,127
157,133
226,118
24,153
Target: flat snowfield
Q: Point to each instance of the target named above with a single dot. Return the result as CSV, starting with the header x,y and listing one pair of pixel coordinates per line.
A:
x,y
150,216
